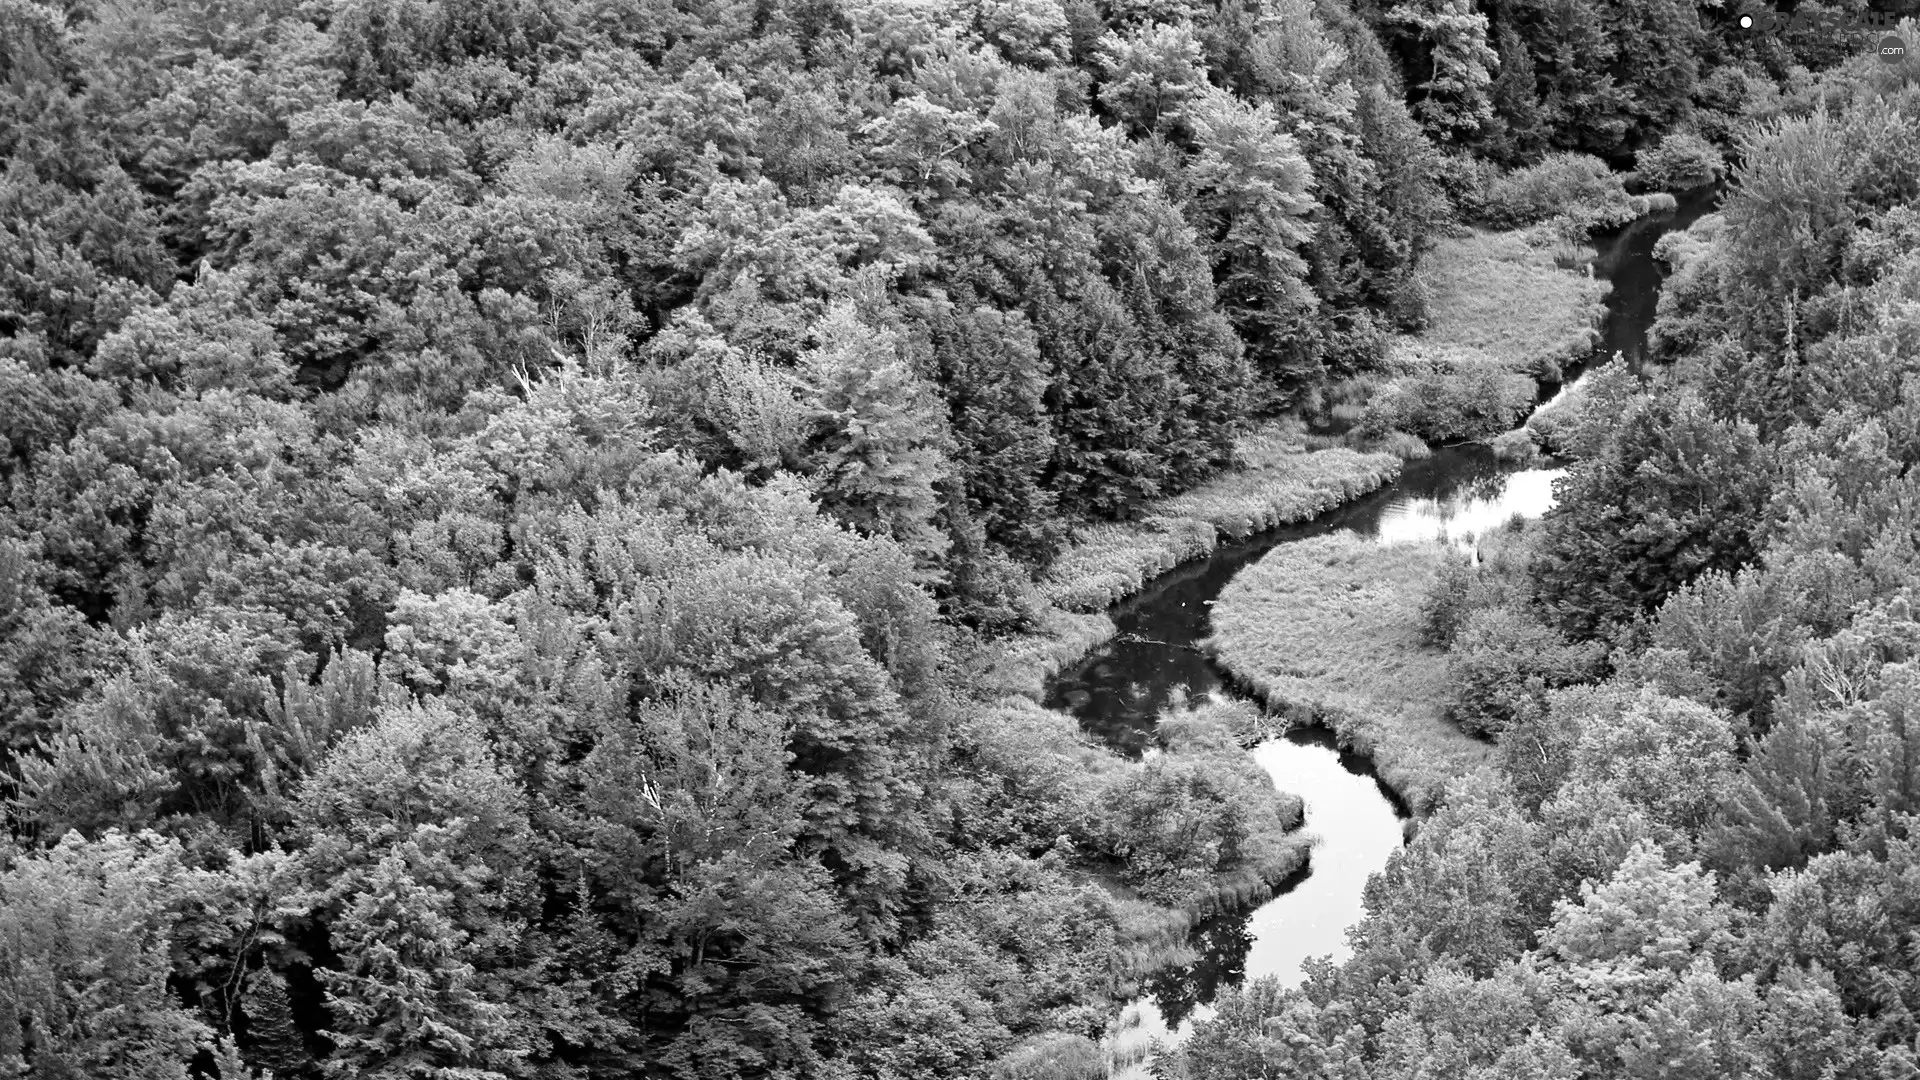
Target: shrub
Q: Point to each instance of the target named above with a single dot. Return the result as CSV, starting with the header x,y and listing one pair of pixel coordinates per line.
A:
x,y
1179,818
1516,446
1502,660
1682,160
1548,427
1452,394
1398,443
1460,588
1577,185
1054,1055
1446,604
1658,202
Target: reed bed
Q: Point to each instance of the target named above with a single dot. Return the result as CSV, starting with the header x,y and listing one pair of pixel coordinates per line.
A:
x,y
1020,666
1107,563
1279,486
1326,630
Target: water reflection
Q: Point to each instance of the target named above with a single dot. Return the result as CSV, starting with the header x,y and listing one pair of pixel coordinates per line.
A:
x,y
1223,942
1358,824
1528,493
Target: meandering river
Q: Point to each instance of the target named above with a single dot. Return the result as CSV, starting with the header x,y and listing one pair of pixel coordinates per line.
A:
x,y
1118,691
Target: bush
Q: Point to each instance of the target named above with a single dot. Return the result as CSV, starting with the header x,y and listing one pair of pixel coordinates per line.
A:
x,y
1504,659
1460,588
1451,394
1579,186
1055,1055
1398,443
1658,202
1179,818
1548,427
1516,446
1447,601
1682,160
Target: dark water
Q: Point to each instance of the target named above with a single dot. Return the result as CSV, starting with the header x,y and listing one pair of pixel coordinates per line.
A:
x,y
1626,260
1119,690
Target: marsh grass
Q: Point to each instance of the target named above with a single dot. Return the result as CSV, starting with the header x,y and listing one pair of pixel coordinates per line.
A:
x,y
1020,666
1279,486
1279,481
1496,292
1327,630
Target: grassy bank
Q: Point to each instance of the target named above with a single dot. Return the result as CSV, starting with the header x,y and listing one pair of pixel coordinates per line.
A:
x,y
1498,293
1326,630
1505,311
1280,481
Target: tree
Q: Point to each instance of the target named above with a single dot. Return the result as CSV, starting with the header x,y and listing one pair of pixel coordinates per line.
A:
x,y
416,860
85,936
1675,492
1151,72
880,447
692,824
1450,39
1251,206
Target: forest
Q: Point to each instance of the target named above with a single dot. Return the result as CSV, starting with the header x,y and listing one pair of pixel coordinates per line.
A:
x,y
516,516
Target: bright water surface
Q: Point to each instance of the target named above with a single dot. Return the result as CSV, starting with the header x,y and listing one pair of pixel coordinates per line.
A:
x,y
1118,691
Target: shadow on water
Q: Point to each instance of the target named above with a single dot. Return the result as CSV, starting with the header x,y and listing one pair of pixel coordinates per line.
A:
x,y
1119,691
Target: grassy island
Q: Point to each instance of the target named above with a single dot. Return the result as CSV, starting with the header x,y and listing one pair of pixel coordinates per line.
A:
x,y
1327,629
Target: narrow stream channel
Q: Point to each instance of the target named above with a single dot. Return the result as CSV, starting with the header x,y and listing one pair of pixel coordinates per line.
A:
x,y
1118,691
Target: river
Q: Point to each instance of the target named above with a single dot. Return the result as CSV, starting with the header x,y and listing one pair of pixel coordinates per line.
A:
x,y
1119,690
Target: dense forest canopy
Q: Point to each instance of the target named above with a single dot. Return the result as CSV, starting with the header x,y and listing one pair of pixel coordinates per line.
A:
x,y
501,499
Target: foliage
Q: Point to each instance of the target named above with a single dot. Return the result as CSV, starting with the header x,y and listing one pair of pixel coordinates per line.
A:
x,y
1671,478
1502,661
1681,160
521,520
1576,186
1449,396
86,937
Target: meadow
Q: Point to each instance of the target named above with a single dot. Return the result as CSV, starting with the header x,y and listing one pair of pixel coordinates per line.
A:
x,y
1506,296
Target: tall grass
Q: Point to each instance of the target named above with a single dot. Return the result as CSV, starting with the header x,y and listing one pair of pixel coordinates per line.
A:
x,y
1498,293
1279,481
1328,630
1021,666
1278,486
